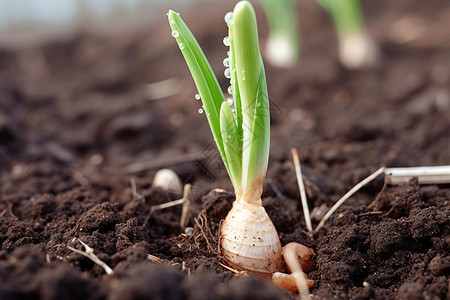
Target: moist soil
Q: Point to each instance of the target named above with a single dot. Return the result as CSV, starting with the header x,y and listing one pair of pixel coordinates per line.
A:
x,y
82,135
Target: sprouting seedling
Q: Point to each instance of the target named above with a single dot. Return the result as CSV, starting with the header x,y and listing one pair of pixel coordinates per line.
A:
x,y
283,44
356,47
249,240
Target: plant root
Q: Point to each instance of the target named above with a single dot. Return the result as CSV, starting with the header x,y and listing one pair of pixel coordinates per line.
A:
x,y
202,230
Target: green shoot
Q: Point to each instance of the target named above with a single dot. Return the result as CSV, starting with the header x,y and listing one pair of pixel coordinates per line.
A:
x,y
243,138
346,14
283,44
356,48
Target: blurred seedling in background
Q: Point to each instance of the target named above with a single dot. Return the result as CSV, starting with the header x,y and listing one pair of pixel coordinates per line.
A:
x,y
356,48
283,43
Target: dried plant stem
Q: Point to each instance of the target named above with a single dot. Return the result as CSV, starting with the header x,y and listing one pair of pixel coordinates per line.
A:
x,y
166,205
153,258
89,253
348,195
291,259
134,191
186,206
233,270
425,175
301,187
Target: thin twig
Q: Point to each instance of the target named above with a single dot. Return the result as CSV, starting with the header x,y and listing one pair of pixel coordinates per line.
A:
x,y
232,270
89,253
186,206
154,258
166,205
134,191
163,206
375,203
348,195
425,175
301,187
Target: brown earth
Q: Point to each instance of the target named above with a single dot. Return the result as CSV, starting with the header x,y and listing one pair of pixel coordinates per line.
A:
x,y
76,120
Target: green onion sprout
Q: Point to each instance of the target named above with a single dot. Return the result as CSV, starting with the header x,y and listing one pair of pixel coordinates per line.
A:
x,y
249,240
356,47
283,44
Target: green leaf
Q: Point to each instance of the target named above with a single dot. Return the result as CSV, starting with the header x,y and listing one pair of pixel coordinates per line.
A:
x,y
253,94
244,141
283,44
260,134
232,144
204,78
347,15
235,85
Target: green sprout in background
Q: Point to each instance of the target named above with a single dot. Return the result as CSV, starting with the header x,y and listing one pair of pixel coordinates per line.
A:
x,y
283,44
241,130
356,47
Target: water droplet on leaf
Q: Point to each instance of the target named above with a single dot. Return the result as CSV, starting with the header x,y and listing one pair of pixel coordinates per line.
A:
x,y
200,110
226,62
229,101
226,41
175,33
229,18
230,90
181,45
227,73
197,97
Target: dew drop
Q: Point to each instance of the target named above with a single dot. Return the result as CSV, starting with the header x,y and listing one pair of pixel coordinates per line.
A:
x,y
172,22
230,101
230,90
226,62
229,18
181,45
175,33
197,97
226,41
243,78
189,231
227,73
228,53
200,110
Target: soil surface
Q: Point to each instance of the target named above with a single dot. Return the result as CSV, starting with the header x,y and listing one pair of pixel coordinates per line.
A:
x,y
82,135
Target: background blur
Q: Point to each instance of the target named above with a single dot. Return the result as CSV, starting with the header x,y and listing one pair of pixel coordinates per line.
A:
x,y
27,21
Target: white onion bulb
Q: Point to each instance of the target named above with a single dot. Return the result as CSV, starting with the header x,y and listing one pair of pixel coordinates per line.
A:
x,y
249,240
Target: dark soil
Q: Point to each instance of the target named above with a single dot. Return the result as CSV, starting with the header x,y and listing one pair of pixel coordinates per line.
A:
x,y
77,128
